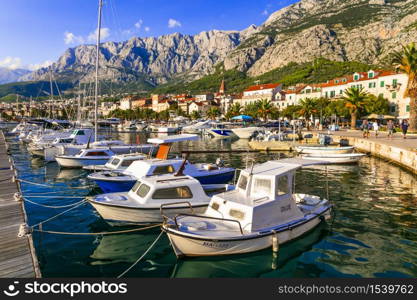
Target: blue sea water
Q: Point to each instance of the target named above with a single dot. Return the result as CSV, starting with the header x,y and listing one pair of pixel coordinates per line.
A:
x,y
373,234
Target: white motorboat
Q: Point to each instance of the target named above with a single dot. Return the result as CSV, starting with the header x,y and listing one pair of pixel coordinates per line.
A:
x,y
168,129
262,212
220,130
85,157
324,149
142,204
117,162
340,158
198,127
246,132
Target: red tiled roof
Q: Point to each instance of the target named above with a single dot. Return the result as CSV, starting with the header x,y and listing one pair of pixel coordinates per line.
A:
x,y
262,87
362,77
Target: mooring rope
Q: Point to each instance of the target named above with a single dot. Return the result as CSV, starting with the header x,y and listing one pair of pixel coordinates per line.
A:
x,y
52,186
51,206
54,217
55,196
98,233
140,258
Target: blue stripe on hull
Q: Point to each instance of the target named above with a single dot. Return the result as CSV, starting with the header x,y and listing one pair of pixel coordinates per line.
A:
x,y
115,186
108,186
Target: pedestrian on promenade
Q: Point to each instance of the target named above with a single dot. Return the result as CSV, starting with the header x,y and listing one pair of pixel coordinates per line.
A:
x,y
375,125
390,129
365,129
404,128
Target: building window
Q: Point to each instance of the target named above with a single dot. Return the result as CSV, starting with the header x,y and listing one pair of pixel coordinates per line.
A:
x,y
372,85
392,109
356,77
344,80
394,95
371,75
332,94
336,81
407,108
382,84
326,95
394,82
341,92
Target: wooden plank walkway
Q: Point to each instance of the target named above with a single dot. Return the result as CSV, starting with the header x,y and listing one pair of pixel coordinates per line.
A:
x,y
17,254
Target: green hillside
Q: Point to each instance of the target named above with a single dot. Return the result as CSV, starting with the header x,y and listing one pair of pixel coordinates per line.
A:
x,y
31,88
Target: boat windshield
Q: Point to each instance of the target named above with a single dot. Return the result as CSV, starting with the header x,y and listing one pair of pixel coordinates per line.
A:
x,y
96,153
136,186
182,192
243,182
115,161
143,190
126,163
282,186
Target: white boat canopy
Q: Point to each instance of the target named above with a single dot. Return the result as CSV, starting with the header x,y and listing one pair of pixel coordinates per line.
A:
x,y
165,143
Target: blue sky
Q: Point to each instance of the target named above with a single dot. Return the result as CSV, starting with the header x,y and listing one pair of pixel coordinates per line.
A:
x,y
35,32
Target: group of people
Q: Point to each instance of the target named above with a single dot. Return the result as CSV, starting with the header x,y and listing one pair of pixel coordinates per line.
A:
x,y
375,126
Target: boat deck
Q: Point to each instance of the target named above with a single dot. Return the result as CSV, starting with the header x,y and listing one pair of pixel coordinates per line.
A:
x,y
17,254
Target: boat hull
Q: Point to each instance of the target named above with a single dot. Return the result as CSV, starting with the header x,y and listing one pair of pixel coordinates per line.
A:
x,y
324,150
115,186
185,245
245,133
221,133
67,162
126,215
336,158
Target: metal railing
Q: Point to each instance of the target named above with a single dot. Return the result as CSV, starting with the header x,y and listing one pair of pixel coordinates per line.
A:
x,y
161,208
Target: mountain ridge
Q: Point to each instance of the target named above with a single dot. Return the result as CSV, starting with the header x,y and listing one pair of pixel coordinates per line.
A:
x,y
352,30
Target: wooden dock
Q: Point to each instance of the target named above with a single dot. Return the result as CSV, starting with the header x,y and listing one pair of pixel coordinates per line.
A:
x,y
17,254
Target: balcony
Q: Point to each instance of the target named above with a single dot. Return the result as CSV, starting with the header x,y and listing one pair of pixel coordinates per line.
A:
x,y
393,88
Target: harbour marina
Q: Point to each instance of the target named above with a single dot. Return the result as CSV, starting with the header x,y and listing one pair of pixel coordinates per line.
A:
x,y
374,217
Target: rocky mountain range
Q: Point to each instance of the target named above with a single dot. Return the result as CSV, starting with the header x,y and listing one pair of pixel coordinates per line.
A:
x,y
361,30
11,75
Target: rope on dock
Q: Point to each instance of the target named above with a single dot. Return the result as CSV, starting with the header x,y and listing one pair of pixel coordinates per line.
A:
x,y
143,255
98,233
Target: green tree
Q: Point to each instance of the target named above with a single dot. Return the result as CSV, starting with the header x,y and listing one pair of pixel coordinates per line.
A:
x,y
164,115
308,109
213,112
265,108
195,115
377,105
405,61
355,100
291,111
235,110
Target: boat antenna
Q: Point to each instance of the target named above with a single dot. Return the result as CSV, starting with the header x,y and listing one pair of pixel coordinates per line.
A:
x,y
100,4
88,143
327,184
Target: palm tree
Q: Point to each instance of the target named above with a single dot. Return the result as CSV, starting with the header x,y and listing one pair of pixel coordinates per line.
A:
x,y
355,100
195,115
213,112
265,108
308,108
235,110
405,61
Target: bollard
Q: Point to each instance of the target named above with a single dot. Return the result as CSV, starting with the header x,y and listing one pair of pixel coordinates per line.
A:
x,y
17,196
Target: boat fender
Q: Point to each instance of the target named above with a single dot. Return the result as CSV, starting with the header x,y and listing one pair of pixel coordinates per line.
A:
x,y
275,242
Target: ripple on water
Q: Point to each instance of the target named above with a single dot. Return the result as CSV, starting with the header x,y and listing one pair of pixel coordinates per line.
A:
x,y
373,234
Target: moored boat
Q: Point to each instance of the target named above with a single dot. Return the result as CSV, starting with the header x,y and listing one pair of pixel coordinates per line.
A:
x,y
339,158
262,212
324,149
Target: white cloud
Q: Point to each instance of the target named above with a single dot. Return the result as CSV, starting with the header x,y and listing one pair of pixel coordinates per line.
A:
x,y
173,23
138,24
265,12
70,38
104,34
44,64
11,62
147,29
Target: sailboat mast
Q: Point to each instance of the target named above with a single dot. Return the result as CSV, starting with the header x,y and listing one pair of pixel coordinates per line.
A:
x,y
100,4
52,93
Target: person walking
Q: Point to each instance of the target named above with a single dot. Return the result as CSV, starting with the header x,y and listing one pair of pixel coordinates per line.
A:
x,y
404,128
390,129
375,126
365,128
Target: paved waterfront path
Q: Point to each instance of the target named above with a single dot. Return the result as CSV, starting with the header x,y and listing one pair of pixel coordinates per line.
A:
x,y
410,143
17,254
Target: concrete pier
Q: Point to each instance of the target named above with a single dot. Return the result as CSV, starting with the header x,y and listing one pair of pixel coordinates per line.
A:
x,y
402,152
17,254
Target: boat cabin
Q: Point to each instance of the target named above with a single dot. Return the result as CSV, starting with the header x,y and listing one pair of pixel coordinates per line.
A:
x,y
153,167
263,197
166,143
82,136
159,190
94,153
123,161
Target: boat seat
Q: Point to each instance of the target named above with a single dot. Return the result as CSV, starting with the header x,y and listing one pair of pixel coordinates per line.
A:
x,y
196,226
210,167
